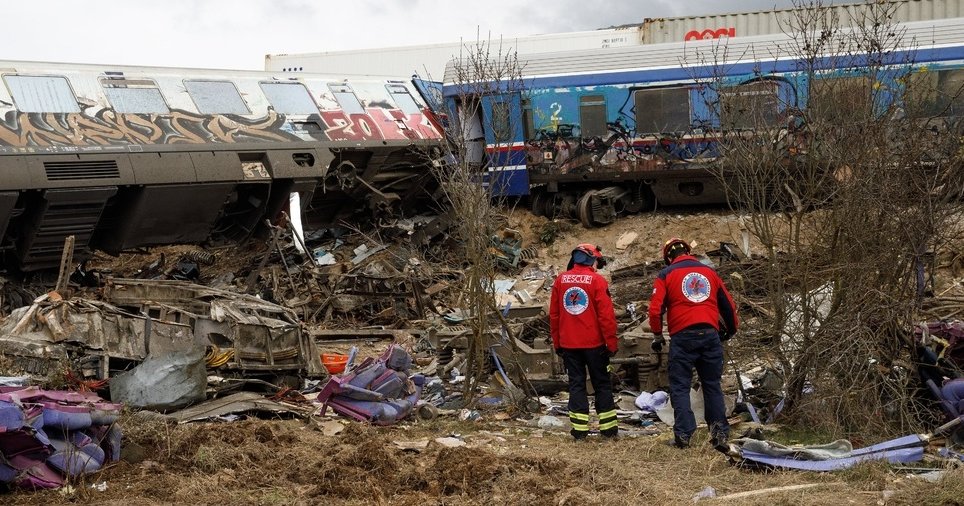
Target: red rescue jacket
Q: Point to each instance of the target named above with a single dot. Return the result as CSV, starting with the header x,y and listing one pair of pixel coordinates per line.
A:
x,y
690,293
581,311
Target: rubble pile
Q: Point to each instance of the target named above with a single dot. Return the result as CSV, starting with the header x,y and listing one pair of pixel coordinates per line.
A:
x,y
367,325
48,436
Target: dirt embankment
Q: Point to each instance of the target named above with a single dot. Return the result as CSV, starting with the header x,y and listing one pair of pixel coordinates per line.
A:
x,y
289,462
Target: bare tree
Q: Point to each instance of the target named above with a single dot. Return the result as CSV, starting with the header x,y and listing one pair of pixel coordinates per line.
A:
x,y
849,174
473,174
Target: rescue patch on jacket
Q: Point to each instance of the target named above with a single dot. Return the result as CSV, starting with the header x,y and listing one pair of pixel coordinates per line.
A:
x,y
580,279
575,300
696,287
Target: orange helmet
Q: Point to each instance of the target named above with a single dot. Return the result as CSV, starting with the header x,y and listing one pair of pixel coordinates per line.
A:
x,y
590,250
673,248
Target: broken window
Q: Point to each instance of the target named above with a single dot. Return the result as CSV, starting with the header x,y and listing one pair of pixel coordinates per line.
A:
x,y
346,99
403,99
935,93
289,98
216,97
134,96
41,93
751,105
592,115
663,110
501,127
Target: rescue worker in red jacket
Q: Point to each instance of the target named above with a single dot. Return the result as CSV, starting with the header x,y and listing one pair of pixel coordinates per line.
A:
x,y
583,327
695,301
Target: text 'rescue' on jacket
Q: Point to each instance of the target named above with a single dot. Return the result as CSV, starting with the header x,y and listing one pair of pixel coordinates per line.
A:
x,y
581,311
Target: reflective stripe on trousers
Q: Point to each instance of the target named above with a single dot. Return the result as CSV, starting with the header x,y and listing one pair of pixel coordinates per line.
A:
x,y
579,421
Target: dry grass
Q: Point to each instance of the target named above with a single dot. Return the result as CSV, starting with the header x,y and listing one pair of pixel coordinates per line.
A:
x,y
288,462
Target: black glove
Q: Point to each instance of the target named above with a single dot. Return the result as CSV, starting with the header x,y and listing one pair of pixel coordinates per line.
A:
x,y
611,353
559,351
725,336
658,343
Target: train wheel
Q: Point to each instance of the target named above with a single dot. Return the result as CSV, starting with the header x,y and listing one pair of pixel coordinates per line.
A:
x,y
584,209
540,202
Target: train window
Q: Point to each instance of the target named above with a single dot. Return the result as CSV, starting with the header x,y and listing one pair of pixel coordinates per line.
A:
x,y
404,99
289,98
936,93
134,96
346,99
662,110
750,105
41,94
216,97
501,124
592,116
839,100
528,123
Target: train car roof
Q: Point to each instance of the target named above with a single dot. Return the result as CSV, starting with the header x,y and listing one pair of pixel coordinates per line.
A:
x,y
21,66
917,35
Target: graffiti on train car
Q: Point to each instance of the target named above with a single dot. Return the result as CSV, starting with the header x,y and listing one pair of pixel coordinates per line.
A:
x,y
105,128
342,126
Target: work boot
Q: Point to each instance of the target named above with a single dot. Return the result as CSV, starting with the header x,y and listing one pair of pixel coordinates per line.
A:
x,y
610,434
679,442
579,435
719,442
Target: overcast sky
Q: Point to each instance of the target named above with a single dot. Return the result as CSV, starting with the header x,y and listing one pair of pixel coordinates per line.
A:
x,y
237,34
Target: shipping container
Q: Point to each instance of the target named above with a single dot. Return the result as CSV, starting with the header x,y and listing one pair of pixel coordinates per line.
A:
x,y
745,24
429,60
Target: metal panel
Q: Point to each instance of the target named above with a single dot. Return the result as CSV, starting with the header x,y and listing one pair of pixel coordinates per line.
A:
x,y
299,163
8,200
217,166
175,214
153,168
16,176
80,170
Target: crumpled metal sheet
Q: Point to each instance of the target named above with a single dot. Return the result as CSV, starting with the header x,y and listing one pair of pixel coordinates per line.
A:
x,y
241,402
142,317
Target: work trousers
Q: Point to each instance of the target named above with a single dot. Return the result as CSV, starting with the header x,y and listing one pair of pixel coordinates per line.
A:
x,y
700,349
596,361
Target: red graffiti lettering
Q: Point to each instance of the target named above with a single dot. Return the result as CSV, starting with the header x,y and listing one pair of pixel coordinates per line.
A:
x,y
417,123
710,34
358,127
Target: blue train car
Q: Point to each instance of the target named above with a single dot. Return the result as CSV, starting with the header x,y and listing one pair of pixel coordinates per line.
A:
x,y
594,134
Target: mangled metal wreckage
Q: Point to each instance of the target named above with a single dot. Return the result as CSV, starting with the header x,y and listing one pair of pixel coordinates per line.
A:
x,y
135,319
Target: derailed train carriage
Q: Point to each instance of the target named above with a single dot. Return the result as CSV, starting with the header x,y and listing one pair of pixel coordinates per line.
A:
x,y
594,134
127,157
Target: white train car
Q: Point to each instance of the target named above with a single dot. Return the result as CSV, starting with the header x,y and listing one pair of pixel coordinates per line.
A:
x,y
429,60
124,157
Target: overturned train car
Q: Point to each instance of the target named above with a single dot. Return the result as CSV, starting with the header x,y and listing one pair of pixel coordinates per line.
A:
x,y
128,157
592,134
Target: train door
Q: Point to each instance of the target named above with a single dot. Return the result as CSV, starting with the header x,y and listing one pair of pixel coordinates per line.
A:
x,y
504,133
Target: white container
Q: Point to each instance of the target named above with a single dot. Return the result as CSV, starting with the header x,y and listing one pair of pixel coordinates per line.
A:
x,y
429,60
747,24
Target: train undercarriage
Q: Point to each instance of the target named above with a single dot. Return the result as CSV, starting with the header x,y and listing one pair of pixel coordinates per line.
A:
x,y
598,201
